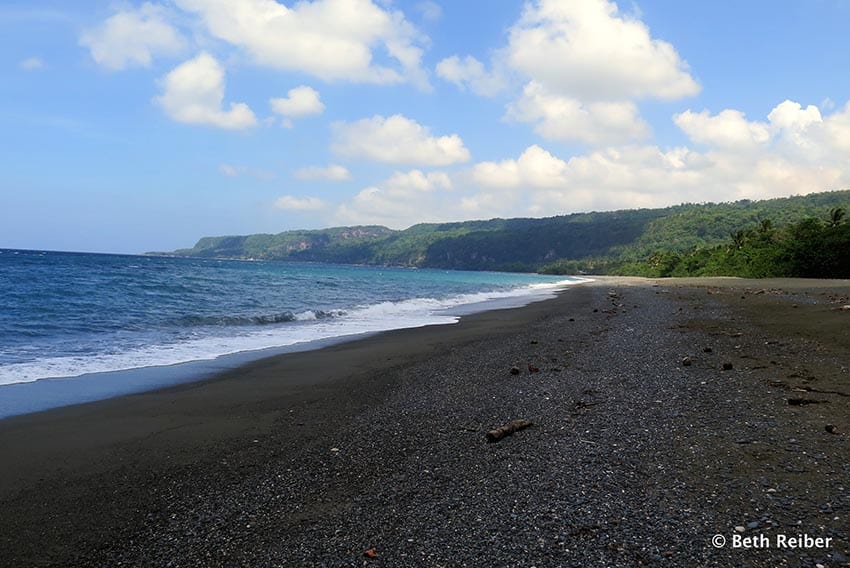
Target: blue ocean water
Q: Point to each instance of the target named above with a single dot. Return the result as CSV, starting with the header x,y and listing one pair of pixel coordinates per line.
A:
x,y
64,315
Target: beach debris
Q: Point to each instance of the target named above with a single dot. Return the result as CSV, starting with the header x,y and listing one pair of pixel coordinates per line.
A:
x,y
533,369
831,428
515,370
370,553
805,401
582,404
508,429
686,362
727,366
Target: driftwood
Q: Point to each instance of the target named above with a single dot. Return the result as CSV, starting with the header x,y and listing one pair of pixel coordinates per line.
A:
x,y
507,429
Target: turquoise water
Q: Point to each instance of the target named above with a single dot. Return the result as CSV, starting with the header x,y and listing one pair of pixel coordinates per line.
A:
x,y
63,315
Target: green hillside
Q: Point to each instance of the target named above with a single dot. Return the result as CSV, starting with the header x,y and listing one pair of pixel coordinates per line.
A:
x,y
608,242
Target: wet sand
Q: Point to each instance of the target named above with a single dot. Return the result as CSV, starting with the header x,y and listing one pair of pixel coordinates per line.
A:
x,y
314,458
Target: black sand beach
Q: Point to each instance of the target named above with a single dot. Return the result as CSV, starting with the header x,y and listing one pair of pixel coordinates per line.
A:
x,y
643,446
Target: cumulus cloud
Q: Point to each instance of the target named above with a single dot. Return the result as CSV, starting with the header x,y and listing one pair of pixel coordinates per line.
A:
x,y
293,203
329,39
600,53
729,129
405,198
193,93
300,101
133,37
332,172
796,151
563,118
584,65
468,72
397,140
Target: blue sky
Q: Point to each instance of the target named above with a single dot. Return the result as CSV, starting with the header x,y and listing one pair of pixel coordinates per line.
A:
x,y
134,126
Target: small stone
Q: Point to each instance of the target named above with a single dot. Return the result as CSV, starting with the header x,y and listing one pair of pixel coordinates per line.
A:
x,y
533,342
370,553
515,370
831,428
740,529
686,362
706,350
595,310
334,450
572,319
727,366
844,308
753,525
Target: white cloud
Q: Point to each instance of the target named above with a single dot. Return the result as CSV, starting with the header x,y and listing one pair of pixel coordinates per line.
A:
x,y
32,64
329,39
417,180
534,168
600,53
564,118
397,140
293,203
469,72
229,170
804,152
431,11
133,37
404,199
332,172
727,129
193,93
796,151
300,101
584,65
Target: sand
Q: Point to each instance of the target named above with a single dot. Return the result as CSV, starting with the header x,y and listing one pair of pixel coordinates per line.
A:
x,y
378,446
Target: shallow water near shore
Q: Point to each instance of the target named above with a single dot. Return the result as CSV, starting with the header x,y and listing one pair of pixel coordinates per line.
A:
x,y
80,327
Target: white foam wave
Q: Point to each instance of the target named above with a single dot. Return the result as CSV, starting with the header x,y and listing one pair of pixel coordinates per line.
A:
x,y
308,326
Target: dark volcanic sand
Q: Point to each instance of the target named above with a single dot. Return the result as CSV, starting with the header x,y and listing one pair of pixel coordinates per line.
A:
x,y
311,459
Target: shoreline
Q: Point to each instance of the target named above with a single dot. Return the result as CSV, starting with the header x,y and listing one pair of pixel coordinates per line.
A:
x,y
55,392
312,458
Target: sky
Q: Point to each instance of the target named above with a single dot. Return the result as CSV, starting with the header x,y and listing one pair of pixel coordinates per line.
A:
x,y
135,126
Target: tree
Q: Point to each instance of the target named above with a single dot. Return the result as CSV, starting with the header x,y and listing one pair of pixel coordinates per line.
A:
x,y
836,216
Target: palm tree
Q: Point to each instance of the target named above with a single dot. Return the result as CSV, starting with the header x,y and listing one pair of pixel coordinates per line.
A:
x,y
739,238
836,216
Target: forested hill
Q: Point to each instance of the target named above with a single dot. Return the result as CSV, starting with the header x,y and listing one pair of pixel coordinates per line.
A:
x,y
569,241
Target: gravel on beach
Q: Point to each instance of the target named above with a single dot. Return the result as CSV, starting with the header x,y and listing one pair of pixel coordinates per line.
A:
x,y
661,418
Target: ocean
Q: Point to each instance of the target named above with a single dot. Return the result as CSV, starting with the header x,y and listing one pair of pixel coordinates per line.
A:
x,y
79,327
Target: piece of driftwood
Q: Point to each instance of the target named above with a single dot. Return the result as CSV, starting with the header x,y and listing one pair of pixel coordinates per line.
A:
x,y
507,429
